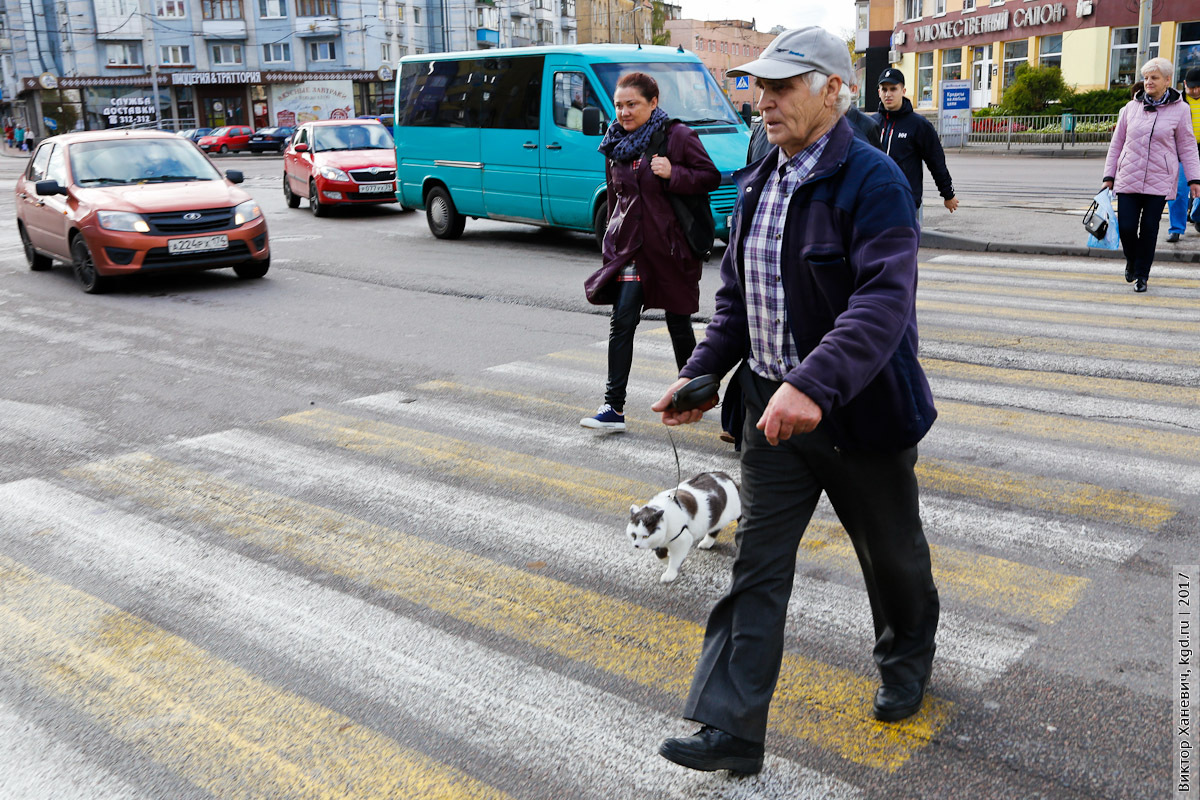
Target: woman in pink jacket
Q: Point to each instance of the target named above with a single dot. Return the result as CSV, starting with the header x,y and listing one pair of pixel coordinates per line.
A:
x,y
1153,140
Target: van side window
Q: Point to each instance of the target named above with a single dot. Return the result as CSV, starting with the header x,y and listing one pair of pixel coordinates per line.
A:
x,y
572,94
37,167
444,94
513,94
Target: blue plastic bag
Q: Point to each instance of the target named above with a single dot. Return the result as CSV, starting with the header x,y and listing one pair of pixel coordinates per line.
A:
x,y
1112,237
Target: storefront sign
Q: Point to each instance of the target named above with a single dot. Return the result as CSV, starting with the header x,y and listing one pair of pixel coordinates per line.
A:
x,y
129,111
955,112
297,104
206,78
991,23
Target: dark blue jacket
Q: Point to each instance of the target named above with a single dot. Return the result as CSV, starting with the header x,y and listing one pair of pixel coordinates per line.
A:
x,y
909,139
849,272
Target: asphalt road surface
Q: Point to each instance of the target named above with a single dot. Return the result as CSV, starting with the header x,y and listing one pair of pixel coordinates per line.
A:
x,y
336,533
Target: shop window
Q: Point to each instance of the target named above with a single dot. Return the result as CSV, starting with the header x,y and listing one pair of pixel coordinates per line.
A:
x,y
277,53
1050,51
171,9
221,9
123,54
272,9
952,64
1187,49
225,55
913,9
925,78
322,51
174,54
1015,54
316,8
1123,66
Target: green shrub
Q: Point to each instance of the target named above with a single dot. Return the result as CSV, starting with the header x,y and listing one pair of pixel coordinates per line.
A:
x,y
1034,89
1098,101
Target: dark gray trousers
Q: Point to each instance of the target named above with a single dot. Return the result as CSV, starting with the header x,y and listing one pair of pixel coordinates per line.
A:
x,y
875,497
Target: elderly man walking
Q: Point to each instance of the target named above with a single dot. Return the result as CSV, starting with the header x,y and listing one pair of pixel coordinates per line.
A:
x,y
817,295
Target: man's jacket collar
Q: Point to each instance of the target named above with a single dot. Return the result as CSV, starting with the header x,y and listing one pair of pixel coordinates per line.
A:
x,y
903,111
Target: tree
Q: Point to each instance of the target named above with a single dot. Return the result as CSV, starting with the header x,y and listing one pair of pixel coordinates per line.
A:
x,y
1034,89
658,24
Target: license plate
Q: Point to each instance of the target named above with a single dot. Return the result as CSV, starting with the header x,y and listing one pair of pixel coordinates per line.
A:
x,y
200,244
256,138
376,188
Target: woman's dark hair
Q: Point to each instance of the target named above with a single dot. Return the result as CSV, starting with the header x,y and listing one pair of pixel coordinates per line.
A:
x,y
646,86
1137,87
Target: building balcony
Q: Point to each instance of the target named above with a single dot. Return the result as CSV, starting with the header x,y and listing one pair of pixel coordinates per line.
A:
x,y
521,41
520,8
125,28
545,15
393,27
569,23
223,29
486,37
316,26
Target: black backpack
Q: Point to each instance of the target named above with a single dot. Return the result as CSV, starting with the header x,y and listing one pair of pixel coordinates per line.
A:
x,y
692,210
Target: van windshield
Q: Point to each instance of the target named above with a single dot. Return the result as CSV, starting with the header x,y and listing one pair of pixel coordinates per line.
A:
x,y
686,91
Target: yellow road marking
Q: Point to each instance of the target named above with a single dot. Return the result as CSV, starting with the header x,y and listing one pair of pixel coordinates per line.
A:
x,y
988,307
1125,439
1116,351
1059,295
818,703
1083,500
220,728
1047,274
1087,385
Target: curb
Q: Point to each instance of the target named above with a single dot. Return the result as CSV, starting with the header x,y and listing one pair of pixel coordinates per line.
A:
x,y
945,241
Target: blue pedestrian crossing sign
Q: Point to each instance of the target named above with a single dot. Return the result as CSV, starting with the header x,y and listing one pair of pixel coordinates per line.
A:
x,y
741,82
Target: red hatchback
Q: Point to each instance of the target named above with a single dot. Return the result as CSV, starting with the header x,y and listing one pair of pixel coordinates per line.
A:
x,y
127,202
223,140
340,162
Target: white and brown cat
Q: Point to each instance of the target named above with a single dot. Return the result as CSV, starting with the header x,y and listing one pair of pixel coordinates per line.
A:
x,y
675,519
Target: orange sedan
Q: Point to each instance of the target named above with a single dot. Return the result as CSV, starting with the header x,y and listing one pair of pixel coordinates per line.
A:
x,y
116,203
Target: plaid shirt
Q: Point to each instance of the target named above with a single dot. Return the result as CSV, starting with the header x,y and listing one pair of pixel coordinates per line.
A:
x,y
772,348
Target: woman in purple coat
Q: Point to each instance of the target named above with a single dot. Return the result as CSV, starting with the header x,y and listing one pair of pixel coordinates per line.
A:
x,y
1152,142
647,261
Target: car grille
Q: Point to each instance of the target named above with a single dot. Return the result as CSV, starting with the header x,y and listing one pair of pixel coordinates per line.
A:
x,y
363,176
160,257
723,199
171,223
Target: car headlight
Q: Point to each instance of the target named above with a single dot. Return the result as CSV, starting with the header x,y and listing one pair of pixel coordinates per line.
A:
x,y
122,221
334,174
245,212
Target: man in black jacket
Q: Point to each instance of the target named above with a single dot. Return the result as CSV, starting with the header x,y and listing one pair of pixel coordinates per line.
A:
x,y
910,139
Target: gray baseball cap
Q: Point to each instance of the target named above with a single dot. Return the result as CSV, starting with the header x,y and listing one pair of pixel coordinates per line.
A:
x,y
798,51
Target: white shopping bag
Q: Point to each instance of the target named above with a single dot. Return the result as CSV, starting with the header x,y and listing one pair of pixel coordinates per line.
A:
x,y
1111,239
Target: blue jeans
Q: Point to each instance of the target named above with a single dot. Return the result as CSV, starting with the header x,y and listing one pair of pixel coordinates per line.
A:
x,y
1182,206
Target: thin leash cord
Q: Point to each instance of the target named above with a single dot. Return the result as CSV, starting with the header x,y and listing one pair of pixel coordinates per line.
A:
x,y
678,472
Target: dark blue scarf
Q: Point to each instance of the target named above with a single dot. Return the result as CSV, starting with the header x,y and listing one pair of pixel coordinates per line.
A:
x,y
626,146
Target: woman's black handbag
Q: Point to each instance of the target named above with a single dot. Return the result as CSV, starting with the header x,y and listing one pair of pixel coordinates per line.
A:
x,y
692,210
1095,222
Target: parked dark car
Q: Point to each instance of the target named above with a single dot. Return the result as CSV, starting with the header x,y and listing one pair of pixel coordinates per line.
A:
x,y
194,133
270,140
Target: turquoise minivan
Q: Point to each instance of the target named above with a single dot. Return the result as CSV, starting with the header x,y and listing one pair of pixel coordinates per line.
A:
x,y
512,134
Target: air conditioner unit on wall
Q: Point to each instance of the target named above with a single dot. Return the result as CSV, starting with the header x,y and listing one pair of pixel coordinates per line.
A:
x,y
894,56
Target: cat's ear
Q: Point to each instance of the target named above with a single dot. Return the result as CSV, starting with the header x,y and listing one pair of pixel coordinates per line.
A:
x,y
658,512
633,510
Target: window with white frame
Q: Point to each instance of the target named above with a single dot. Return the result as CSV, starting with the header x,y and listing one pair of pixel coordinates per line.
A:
x,y
925,78
385,52
1123,66
226,54
322,51
1187,48
277,52
939,7
123,54
171,9
968,5
913,9
1050,51
221,9
952,64
174,54
1015,54
316,8
272,9
416,16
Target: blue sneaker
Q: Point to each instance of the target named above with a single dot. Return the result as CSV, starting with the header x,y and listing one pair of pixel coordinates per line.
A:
x,y
607,418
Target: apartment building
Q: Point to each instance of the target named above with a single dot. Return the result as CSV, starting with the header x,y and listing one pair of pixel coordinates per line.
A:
x,y
721,46
90,64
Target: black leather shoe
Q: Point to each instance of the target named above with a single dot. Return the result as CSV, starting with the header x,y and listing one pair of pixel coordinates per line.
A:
x,y
710,749
1140,286
896,701
1172,237
1129,273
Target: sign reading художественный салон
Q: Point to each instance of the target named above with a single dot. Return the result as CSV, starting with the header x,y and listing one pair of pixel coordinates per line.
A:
x,y
969,26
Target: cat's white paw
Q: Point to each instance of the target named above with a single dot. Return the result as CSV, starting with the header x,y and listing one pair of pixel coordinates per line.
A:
x,y
668,576
707,543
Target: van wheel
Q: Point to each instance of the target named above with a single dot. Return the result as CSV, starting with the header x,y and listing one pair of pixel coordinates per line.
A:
x,y
600,224
89,279
444,220
293,199
37,262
